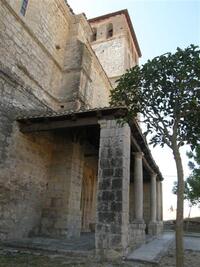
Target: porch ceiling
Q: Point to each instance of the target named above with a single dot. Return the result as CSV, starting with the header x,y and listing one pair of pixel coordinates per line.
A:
x,y
70,119
90,117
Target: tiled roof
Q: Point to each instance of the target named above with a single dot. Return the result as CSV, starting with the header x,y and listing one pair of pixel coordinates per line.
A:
x,y
49,114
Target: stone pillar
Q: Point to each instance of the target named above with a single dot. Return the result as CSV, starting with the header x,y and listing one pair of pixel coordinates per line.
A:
x,y
159,201
137,228
112,218
159,208
153,197
156,225
152,227
74,197
138,187
161,195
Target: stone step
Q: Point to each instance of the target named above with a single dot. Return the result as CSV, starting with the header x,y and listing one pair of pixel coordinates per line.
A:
x,y
152,251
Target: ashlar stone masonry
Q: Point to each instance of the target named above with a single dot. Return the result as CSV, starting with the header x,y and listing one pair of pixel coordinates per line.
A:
x,y
67,166
113,186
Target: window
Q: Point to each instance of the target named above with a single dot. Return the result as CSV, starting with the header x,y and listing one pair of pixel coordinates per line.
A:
x,y
94,36
109,30
24,7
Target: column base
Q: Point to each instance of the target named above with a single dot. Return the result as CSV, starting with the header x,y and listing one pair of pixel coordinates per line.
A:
x,y
155,228
136,234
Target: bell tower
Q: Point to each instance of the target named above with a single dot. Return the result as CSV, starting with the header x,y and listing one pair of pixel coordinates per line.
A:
x,y
115,43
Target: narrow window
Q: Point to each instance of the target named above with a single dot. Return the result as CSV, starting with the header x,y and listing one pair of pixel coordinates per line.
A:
x,y
109,30
24,7
94,36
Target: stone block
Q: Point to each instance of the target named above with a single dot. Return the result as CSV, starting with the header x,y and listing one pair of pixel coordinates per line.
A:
x,y
136,234
155,228
116,206
105,184
107,173
118,172
108,196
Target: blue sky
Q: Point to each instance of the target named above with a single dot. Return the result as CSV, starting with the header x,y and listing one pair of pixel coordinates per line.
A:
x,y
161,26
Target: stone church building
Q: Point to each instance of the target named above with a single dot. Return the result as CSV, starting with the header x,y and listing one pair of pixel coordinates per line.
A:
x,y
66,165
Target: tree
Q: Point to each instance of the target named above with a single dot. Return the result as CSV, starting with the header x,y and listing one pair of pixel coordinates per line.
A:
x,y
166,91
192,183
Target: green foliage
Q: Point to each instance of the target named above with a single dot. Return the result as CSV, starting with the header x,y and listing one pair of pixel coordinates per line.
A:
x,y
186,189
192,183
166,91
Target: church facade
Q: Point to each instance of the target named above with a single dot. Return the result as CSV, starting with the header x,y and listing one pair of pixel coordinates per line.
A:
x,y
66,165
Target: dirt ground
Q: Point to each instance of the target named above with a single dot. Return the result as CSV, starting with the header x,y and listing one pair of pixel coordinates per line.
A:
x,y
28,259
192,259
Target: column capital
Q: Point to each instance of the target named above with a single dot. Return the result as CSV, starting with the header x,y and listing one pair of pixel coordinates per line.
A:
x,y
102,123
153,175
138,154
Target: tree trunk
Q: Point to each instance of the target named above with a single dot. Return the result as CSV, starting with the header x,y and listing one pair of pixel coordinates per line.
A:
x,y
179,213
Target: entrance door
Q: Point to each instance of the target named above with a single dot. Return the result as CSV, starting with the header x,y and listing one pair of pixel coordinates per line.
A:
x,y
88,200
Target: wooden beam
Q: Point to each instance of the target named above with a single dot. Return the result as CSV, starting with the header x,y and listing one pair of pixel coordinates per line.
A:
x,y
151,171
53,125
134,142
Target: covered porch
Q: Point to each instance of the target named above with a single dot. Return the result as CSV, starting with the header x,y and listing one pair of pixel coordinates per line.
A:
x,y
102,179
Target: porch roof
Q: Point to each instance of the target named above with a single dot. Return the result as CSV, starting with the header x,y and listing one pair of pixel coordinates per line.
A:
x,y
88,117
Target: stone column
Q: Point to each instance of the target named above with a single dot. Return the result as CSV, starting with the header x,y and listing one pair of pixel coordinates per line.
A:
x,y
159,208
161,195
138,187
137,227
112,218
159,201
153,226
153,197
156,225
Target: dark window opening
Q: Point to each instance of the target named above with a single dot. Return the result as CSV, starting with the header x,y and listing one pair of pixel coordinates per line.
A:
x,y
109,30
94,36
24,7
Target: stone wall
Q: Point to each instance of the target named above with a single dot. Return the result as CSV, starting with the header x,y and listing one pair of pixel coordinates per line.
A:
x,y
37,46
111,54
84,79
24,160
116,53
61,215
28,44
36,51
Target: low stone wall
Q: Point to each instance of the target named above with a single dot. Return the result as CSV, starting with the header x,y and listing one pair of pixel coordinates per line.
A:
x,y
190,225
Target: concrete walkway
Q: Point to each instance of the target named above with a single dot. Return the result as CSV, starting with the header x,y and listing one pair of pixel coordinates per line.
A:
x,y
152,252
192,242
